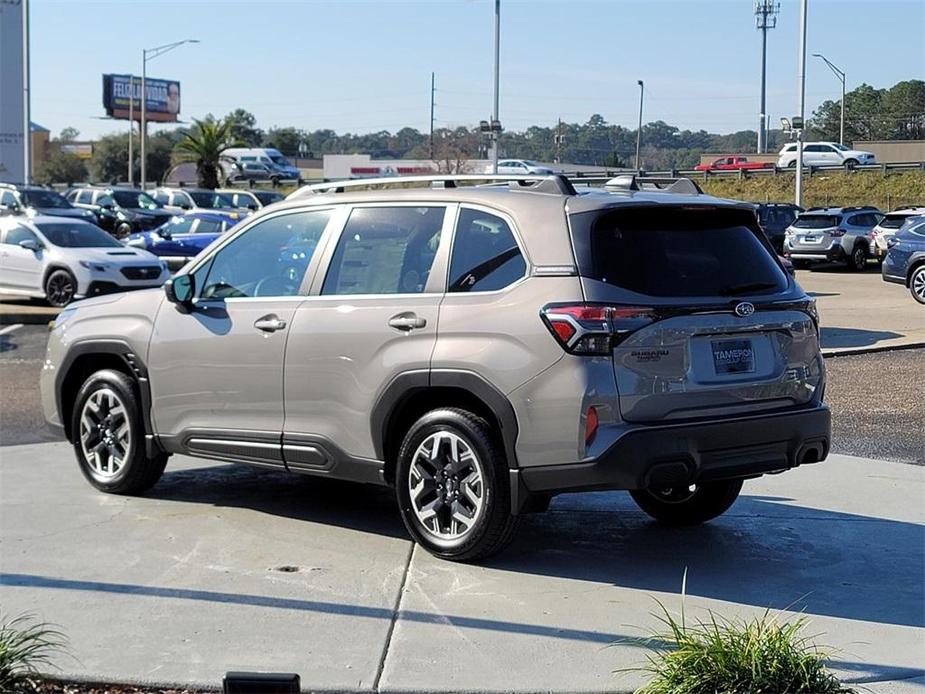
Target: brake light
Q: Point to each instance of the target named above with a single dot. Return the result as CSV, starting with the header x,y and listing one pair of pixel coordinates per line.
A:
x,y
838,232
592,329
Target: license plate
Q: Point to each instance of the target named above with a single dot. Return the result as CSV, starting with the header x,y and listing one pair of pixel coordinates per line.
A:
x,y
809,239
733,356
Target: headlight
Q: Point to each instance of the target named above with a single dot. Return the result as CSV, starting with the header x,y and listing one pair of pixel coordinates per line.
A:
x,y
96,267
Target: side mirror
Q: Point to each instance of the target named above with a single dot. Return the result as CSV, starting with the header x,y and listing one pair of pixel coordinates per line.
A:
x,y
31,245
180,289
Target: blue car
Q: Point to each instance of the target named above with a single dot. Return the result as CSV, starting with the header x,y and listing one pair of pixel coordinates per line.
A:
x,y
183,237
905,257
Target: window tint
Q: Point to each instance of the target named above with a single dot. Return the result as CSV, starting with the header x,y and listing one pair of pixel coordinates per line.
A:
x,y
84,196
817,221
209,226
6,198
77,234
679,253
179,199
893,221
485,254
17,234
269,259
104,199
184,225
385,250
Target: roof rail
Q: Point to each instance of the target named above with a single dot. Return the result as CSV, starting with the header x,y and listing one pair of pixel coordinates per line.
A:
x,y
664,184
540,183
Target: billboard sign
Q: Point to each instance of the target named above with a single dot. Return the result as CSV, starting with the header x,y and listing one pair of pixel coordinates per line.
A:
x,y
12,96
162,102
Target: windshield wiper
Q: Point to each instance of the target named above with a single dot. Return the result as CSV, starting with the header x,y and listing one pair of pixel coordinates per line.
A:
x,y
742,288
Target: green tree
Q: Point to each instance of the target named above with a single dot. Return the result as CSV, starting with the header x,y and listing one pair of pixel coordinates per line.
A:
x,y
286,140
62,167
904,107
109,163
244,127
204,145
68,134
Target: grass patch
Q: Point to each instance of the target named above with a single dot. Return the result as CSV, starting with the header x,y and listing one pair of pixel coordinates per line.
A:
x,y
26,646
886,192
763,655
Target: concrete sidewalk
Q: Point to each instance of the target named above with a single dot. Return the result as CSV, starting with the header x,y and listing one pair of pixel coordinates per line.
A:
x,y
224,567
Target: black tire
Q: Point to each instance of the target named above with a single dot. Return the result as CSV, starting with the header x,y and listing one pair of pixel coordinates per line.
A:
x,y
137,472
494,524
851,163
917,284
683,507
792,164
857,262
60,288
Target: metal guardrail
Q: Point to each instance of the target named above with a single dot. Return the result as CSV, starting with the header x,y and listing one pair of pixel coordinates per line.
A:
x,y
746,173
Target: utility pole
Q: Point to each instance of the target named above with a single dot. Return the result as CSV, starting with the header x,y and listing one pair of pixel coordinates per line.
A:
x,y
559,142
131,127
432,78
26,97
798,192
496,133
765,18
642,89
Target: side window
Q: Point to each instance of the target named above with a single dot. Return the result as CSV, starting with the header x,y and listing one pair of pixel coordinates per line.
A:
x,y
84,197
269,259
6,198
208,226
161,197
184,226
385,250
105,200
17,234
485,254
179,199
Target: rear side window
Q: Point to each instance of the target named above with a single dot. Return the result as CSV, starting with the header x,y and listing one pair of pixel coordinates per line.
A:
x,y
486,256
817,221
680,253
385,250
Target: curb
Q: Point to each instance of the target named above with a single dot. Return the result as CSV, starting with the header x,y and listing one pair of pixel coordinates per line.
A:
x,y
27,318
873,349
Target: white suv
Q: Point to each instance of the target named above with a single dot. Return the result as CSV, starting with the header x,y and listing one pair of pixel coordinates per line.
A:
x,y
888,227
823,154
60,259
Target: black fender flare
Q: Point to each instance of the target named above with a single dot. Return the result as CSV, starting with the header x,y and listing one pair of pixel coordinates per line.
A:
x,y
132,361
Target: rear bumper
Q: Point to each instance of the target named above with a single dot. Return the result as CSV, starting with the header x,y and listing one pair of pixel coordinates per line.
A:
x,y
683,454
832,254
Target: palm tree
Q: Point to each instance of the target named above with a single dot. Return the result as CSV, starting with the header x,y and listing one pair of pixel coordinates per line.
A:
x,y
204,144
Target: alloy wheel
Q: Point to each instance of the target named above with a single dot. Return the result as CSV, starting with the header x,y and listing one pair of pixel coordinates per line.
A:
x,y
105,433
446,485
918,284
60,289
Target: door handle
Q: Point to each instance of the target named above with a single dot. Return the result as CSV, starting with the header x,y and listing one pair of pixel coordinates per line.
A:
x,y
407,321
269,323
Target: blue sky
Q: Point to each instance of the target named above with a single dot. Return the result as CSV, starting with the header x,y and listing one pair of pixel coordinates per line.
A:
x,y
357,66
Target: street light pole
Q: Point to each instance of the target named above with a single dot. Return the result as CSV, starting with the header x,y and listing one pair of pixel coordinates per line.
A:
x,y
642,89
798,192
131,127
496,134
841,76
150,54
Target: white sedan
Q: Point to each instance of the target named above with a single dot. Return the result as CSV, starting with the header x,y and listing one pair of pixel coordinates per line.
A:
x,y
60,259
522,166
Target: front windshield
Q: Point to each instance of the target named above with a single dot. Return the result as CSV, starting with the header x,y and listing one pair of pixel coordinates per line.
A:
x,y
529,163
279,159
267,198
841,148
45,198
212,200
135,199
76,235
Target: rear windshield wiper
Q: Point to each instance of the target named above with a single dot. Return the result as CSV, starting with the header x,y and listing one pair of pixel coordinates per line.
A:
x,y
741,288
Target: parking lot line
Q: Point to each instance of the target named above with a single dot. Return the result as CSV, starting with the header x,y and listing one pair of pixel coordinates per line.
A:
x,y
10,328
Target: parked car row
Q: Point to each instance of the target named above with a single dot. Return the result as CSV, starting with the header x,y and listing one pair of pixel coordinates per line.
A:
x,y
904,262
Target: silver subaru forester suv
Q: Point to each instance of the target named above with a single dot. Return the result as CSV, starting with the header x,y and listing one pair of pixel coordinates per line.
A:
x,y
479,348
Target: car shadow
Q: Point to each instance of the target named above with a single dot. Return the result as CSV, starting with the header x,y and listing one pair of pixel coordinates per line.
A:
x,y
8,343
363,507
854,337
765,552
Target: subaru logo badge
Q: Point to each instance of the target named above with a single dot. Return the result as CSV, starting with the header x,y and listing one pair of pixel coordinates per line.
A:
x,y
744,309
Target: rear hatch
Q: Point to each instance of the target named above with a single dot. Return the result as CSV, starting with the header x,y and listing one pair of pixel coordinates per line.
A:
x,y
703,319
813,233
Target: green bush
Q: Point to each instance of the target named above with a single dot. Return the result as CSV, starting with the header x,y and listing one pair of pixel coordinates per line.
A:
x,y
763,655
26,646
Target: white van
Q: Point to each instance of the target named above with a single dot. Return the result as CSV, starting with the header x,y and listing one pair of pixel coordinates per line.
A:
x,y
273,158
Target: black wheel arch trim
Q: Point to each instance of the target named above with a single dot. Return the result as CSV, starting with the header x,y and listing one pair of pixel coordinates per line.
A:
x,y
133,363
408,383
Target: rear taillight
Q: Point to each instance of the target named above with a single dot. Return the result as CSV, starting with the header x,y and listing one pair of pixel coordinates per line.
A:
x,y
592,329
591,424
838,232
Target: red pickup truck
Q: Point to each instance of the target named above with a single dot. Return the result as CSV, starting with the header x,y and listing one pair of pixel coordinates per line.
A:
x,y
733,164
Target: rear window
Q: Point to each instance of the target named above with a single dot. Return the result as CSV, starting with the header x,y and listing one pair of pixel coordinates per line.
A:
x,y
678,252
817,221
893,221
